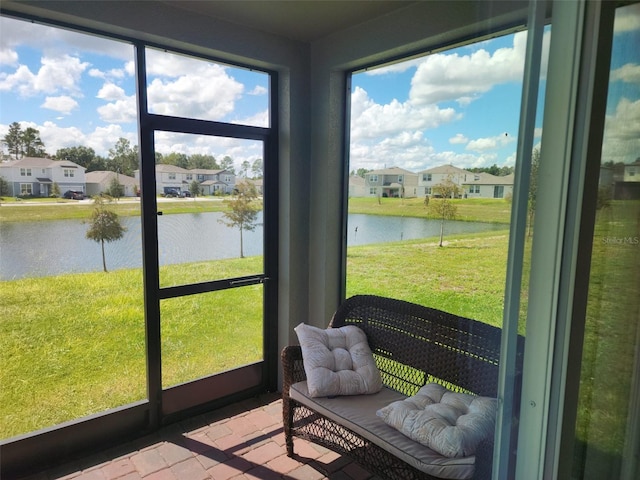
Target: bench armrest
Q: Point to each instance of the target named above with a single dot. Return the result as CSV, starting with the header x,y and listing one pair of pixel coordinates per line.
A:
x,y
292,367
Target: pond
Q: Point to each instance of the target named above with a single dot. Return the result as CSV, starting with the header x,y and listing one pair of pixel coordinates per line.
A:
x,y
34,249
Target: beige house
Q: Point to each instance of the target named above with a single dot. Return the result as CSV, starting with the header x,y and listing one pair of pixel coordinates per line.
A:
x,y
427,179
485,185
357,186
391,182
99,182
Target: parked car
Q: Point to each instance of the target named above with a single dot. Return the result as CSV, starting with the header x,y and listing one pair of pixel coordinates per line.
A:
x,y
186,193
74,195
172,192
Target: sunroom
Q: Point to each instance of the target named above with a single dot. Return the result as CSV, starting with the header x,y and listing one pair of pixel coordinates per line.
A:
x,y
563,272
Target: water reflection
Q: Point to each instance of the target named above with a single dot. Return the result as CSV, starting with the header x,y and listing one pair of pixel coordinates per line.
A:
x,y
33,249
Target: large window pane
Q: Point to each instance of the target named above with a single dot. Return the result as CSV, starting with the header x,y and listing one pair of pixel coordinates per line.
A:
x,y
210,196
608,423
71,302
182,86
432,162
211,333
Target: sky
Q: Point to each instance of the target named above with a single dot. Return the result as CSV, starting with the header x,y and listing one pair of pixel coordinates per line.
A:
x,y
459,107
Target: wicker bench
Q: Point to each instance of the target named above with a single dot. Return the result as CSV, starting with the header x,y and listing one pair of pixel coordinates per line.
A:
x,y
412,345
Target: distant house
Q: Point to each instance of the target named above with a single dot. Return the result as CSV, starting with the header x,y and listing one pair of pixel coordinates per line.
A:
x,y
628,188
257,183
391,182
356,186
485,185
100,181
427,179
33,176
172,177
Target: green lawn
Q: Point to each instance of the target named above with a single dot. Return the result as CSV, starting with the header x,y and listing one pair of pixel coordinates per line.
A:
x,y
70,347
470,209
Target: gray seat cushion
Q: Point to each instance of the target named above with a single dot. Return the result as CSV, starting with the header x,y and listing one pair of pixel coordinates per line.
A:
x,y
358,413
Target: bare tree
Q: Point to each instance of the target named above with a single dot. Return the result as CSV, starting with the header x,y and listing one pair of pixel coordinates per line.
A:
x,y
104,226
444,207
244,207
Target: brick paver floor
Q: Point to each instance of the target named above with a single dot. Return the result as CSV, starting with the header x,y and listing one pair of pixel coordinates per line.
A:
x,y
243,441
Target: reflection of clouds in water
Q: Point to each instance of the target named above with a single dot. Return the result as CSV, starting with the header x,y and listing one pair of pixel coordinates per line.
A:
x,y
34,249
50,248
367,229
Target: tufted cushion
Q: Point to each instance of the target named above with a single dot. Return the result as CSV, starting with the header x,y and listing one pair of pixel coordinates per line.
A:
x,y
338,361
452,424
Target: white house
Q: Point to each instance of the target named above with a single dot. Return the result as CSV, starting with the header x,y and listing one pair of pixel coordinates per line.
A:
x,y
427,179
356,186
34,176
485,185
172,177
391,182
99,181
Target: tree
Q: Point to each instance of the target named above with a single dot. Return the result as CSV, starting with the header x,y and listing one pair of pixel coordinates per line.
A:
x,y
533,187
123,158
5,188
227,164
21,143
105,226
178,159
244,207
32,145
207,162
194,189
55,190
443,206
83,156
13,140
257,168
244,168
116,189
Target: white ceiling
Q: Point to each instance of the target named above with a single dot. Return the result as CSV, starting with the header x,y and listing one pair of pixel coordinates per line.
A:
x,y
302,20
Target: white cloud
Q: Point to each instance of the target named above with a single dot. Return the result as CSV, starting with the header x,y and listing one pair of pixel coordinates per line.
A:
x,y
372,120
621,141
446,77
8,56
629,73
56,41
123,110
114,73
259,90
489,143
55,74
187,87
459,139
627,18
260,119
450,77
56,137
110,91
63,104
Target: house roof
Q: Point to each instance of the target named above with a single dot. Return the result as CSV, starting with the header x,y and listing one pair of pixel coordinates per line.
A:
x,y
446,169
163,167
356,180
206,171
103,176
391,171
40,162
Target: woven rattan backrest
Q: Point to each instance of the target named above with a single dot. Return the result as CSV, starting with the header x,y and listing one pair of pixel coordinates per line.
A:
x,y
414,345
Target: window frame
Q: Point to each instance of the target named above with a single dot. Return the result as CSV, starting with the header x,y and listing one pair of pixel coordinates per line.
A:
x,y
127,421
